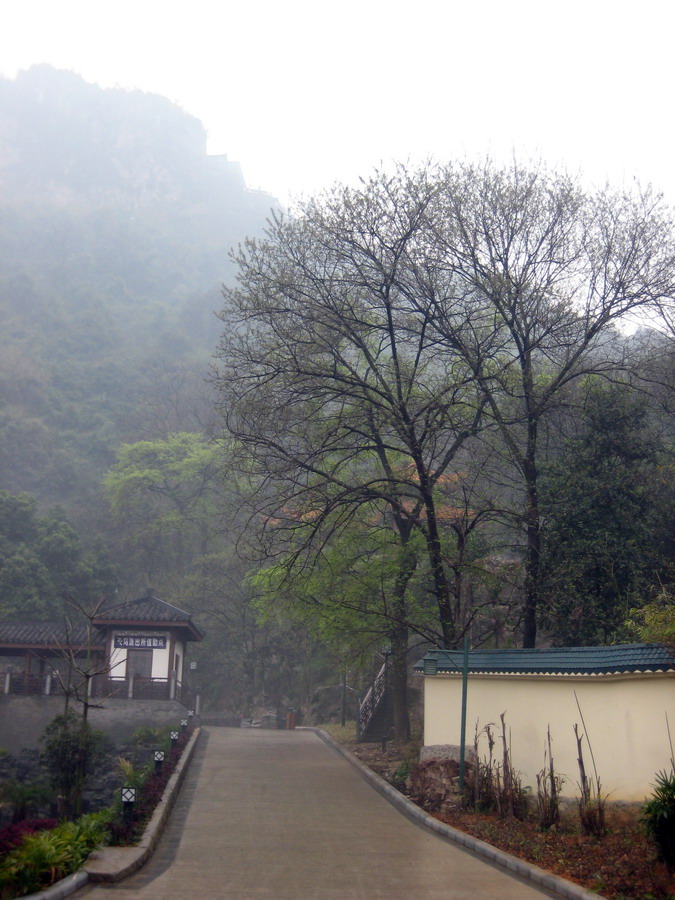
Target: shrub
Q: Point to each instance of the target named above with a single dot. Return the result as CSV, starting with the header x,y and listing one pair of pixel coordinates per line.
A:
x,y
45,857
549,786
496,787
151,737
41,860
12,835
132,775
659,817
399,777
72,751
150,786
592,802
23,796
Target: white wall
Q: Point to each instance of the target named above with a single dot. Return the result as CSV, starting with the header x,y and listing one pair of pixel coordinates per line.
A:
x,y
160,658
180,649
118,662
625,717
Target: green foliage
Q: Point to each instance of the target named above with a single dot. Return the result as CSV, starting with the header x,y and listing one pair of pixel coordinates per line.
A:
x,y
168,496
112,252
132,775
598,544
659,817
344,734
71,753
655,621
48,856
248,659
399,777
43,561
346,597
23,796
149,737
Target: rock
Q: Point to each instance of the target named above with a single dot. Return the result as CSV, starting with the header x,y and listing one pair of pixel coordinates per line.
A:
x,y
434,781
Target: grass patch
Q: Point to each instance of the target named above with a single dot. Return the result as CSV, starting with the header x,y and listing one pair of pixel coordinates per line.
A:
x,y
344,734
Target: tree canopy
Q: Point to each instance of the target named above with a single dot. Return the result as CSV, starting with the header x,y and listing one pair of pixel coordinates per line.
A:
x,y
391,336
43,562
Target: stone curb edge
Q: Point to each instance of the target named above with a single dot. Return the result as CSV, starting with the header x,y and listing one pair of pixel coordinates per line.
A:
x,y
140,854
101,865
554,883
63,888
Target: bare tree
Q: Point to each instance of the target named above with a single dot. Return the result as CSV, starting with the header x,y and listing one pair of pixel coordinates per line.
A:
x,y
526,278
331,381
375,335
83,667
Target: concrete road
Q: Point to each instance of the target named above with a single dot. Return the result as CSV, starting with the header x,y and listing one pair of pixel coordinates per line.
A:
x,y
280,815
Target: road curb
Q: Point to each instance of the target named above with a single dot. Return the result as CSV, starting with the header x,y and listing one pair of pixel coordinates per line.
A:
x,y
62,888
547,880
111,864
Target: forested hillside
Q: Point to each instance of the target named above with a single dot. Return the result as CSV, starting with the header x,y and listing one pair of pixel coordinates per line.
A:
x,y
115,228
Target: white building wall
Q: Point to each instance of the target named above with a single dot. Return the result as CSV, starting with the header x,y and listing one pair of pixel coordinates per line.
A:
x,y
160,658
160,661
180,648
118,662
625,717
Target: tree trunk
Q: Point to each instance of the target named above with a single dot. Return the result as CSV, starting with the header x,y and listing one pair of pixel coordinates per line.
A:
x,y
533,532
434,549
398,674
399,684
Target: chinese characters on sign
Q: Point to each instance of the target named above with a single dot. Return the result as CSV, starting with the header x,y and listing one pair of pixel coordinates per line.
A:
x,y
141,641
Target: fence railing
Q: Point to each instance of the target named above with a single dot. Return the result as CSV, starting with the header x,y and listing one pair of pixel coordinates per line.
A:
x,y
132,687
22,683
372,700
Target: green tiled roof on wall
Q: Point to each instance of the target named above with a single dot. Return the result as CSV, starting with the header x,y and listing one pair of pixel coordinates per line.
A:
x,y
618,659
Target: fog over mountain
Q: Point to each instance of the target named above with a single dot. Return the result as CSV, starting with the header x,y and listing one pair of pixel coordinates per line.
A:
x,y
115,229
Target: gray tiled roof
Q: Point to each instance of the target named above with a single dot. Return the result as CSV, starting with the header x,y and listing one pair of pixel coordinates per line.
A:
x,y
620,658
46,634
148,609
145,609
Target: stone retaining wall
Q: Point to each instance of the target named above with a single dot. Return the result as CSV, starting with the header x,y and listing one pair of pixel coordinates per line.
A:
x,y
24,719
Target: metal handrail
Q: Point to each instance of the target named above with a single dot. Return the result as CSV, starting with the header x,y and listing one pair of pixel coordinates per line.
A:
x,y
371,701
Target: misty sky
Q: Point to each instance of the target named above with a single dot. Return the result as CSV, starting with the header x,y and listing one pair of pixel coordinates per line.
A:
x,y
307,93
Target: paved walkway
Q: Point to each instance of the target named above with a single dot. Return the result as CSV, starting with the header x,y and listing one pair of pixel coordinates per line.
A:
x,y
280,815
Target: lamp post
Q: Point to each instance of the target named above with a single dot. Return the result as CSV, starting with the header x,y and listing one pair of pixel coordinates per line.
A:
x,y
128,794
183,724
462,735
159,760
174,739
431,668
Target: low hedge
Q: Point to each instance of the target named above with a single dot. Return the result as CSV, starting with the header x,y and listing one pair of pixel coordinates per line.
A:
x,y
46,856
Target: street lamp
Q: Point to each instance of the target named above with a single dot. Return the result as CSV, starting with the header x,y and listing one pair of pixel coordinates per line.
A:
x,y
128,794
